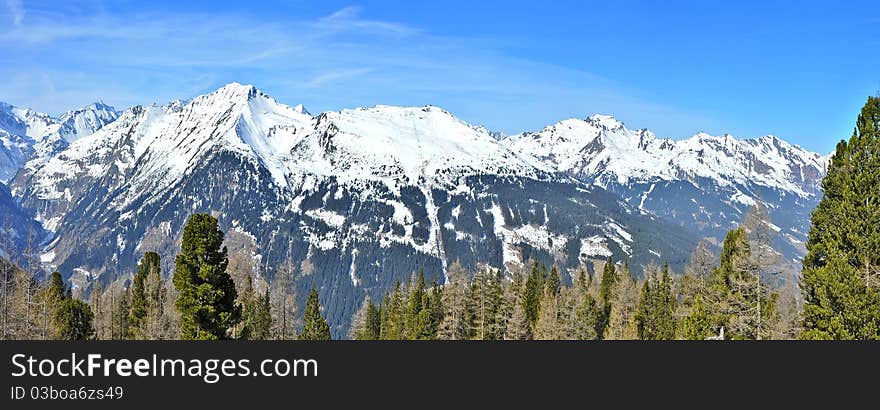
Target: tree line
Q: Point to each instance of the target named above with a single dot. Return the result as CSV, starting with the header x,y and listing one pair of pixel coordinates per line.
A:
x,y
201,302
614,304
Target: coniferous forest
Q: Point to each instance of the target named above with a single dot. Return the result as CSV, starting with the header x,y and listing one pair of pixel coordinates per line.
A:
x,y
725,294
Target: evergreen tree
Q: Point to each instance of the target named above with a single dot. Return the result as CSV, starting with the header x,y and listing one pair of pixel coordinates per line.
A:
x,y
416,298
206,293
841,276
531,295
140,303
74,320
256,315
554,283
393,317
655,314
52,299
696,326
366,324
606,292
314,326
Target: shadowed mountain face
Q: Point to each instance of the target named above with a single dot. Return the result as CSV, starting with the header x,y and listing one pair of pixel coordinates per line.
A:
x,y
357,200
704,184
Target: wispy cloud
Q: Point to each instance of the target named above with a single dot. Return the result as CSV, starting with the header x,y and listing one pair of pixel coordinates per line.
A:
x,y
16,8
349,18
334,76
339,60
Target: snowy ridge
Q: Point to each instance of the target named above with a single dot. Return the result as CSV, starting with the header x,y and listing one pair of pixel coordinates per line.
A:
x,y
29,138
404,145
602,148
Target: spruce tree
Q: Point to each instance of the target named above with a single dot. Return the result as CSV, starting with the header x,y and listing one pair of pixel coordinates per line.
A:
x,y
554,282
206,296
366,325
314,326
696,326
841,276
606,294
531,295
74,320
140,303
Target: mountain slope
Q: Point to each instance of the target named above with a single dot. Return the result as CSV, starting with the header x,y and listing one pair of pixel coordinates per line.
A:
x,y
20,235
703,183
354,200
28,136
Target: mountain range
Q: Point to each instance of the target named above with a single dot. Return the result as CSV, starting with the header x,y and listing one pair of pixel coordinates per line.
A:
x,y
356,200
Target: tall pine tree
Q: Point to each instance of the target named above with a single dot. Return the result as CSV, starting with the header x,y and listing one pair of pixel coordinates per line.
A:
x,y
206,293
314,325
841,276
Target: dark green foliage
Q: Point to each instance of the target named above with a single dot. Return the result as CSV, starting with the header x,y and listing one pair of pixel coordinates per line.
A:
x,y
315,327
531,295
371,327
206,293
609,282
655,314
74,320
553,282
256,315
587,316
149,265
57,289
840,277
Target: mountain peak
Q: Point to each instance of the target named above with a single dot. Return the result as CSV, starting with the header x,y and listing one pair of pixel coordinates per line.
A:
x,y
301,109
234,91
607,122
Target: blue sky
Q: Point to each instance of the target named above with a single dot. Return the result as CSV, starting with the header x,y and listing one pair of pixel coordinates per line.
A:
x,y
799,70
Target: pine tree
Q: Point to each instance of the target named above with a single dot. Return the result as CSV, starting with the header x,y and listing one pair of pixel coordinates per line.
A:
x,y
655,314
610,280
696,326
531,295
416,296
140,303
314,325
841,276
254,325
366,324
74,319
206,293
554,282
393,317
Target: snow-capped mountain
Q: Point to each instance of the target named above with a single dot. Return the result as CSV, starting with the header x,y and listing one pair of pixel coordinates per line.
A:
x,y
704,183
352,200
19,233
28,136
